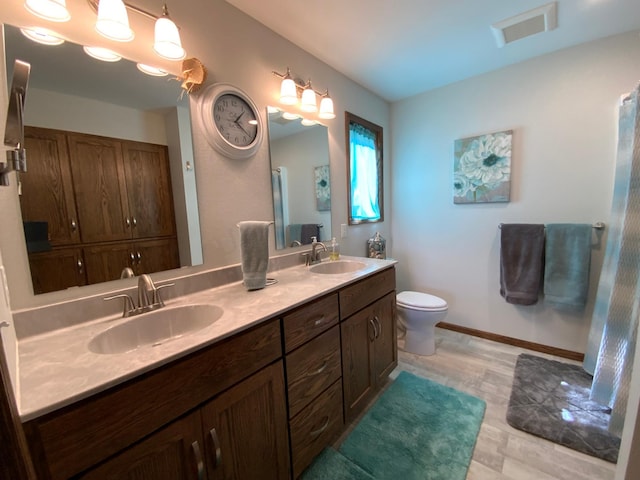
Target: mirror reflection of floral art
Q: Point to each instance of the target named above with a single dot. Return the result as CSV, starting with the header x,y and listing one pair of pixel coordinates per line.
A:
x,y
323,188
482,168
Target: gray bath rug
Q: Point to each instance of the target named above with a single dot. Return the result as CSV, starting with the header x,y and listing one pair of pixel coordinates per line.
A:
x,y
550,399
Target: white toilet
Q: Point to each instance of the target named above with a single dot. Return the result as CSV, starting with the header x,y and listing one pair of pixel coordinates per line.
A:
x,y
418,314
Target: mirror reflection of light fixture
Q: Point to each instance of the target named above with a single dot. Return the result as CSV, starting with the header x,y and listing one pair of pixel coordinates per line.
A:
x,y
103,54
150,70
53,10
167,42
308,123
42,35
290,116
113,21
289,89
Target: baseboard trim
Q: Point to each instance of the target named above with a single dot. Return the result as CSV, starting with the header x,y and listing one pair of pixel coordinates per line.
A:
x,y
516,342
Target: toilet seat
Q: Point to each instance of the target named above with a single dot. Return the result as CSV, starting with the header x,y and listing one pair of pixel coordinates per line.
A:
x,y
423,302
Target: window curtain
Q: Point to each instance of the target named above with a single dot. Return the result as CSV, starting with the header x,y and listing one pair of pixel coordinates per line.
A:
x,y
365,204
612,337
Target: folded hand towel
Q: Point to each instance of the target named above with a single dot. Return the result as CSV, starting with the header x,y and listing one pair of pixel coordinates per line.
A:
x,y
254,248
307,231
567,263
521,252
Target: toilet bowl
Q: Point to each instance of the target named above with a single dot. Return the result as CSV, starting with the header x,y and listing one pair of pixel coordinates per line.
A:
x,y
418,314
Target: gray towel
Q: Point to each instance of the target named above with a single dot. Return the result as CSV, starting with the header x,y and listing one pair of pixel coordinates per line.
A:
x,y
254,247
521,253
293,233
567,263
309,230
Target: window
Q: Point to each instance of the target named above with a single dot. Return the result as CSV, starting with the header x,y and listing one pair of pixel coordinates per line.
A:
x,y
364,168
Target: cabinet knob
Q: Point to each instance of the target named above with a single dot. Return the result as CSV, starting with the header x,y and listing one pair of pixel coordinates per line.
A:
x,y
216,446
127,222
132,256
134,221
80,265
195,446
74,225
138,257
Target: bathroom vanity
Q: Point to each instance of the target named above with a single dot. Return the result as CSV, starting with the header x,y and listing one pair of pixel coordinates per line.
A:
x,y
258,394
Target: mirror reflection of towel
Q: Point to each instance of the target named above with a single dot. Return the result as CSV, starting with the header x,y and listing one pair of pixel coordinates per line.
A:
x,y
307,231
521,257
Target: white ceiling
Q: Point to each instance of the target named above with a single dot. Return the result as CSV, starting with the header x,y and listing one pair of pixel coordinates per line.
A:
x,y
404,47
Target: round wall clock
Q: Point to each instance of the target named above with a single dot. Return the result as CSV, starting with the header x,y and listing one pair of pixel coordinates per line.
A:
x,y
231,120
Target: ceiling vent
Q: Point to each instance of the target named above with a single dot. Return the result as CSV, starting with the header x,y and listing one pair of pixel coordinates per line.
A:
x,y
541,19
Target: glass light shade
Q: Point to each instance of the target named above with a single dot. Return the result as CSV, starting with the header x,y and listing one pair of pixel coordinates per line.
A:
x,y
153,71
113,21
307,123
326,108
288,92
167,42
53,10
308,103
103,54
42,35
290,116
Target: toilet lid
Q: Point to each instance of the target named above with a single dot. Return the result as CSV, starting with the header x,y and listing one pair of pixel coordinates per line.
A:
x,y
420,301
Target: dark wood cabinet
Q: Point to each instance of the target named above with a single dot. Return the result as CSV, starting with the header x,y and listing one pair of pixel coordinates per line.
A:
x,y
369,345
56,269
112,198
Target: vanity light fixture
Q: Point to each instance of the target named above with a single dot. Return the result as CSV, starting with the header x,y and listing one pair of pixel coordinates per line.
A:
x,y
103,54
53,10
149,70
42,35
290,116
290,88
167,42
307,123
113,21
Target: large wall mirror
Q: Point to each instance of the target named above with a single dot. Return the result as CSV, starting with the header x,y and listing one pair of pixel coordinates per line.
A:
x,y
80,109
300,179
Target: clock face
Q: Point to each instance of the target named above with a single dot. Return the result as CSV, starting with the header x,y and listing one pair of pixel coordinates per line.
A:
x,y
235,120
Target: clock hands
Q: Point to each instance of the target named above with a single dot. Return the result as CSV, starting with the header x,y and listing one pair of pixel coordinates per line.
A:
x,y
237,122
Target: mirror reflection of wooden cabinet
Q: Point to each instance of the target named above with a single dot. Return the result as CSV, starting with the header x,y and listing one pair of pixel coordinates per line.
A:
x,y
60,268
91,190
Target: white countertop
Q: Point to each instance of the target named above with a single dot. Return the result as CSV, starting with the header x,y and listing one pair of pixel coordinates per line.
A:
x,y
57,368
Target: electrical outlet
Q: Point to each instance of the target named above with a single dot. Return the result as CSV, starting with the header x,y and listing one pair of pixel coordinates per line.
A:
x,y
343,230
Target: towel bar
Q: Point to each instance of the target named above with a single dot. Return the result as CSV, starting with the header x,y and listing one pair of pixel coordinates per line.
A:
x,y
597,225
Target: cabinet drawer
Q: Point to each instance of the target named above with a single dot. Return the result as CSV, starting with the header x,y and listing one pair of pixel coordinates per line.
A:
x,y
77,437
312,368
308,321
315,427
361,294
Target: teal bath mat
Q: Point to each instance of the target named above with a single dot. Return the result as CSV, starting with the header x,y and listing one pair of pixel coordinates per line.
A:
x,y
417,429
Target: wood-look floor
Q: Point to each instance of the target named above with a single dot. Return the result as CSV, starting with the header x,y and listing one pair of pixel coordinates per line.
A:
x,y
485,369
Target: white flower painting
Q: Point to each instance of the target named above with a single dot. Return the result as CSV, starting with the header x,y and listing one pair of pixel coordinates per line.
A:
x,y
482,168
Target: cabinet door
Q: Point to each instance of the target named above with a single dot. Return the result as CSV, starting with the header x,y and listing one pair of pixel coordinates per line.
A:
x,y
149,189
106,262
57,269
173,453
155,255
245,429
100,189
358,336
385,358
47,191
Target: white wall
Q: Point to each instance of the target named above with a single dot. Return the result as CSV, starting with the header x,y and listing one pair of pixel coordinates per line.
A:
x,y
563,110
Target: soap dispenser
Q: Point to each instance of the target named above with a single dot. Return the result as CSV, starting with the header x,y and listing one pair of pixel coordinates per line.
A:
x,y
334,250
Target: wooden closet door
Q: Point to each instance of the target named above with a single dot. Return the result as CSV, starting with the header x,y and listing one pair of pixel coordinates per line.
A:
x,y
47,193
149,189
100,188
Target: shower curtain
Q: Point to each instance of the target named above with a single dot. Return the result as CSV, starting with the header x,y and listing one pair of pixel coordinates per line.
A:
x,y
612,338
280,204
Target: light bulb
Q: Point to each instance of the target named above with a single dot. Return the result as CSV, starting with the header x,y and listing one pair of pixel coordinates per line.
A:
x,y
326,108
113,21
288,92
308,103
167,42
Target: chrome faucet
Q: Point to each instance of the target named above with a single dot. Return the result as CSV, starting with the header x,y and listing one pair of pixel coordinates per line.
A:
x,y
314,256
148,297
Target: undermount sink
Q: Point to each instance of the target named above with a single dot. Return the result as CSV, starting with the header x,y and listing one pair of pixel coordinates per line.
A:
x,y
336,267
154,328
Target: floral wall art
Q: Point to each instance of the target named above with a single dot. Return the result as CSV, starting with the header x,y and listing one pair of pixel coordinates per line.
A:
x,y
323,188
482,168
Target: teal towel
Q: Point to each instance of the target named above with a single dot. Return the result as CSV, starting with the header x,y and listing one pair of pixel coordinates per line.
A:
x,y
254,249
567,263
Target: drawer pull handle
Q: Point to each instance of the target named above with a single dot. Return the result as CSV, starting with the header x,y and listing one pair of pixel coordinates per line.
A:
x,y
372,330
319,321
216,446
379,329
199,463
317,432
322,368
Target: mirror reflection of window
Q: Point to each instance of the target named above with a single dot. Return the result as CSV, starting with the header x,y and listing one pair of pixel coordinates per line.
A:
x,y
364,163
